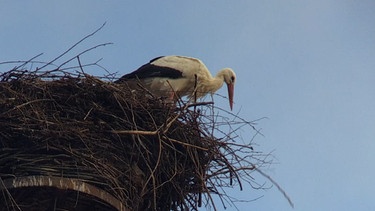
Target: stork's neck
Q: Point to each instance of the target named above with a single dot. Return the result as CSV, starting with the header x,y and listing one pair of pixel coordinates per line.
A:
x,y
217,82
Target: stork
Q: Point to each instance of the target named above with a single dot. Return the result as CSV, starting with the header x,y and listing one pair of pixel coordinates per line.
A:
x,y
181,75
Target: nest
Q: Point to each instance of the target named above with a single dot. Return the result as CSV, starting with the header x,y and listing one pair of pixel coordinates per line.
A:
x,y
70,140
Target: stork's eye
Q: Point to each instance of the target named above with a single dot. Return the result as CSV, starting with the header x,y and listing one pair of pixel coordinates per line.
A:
x,y
232,79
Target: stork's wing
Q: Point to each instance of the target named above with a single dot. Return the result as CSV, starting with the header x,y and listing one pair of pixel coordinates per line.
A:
x,y
169,67
149,71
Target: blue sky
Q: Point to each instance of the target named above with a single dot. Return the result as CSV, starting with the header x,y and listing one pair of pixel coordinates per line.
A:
x,y
309,66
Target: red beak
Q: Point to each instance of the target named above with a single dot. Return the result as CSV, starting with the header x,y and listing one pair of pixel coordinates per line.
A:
x,y
230,94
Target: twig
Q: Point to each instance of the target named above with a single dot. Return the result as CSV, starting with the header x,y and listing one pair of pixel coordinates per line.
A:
x,y
83,52
26,62
135,132
200,104
186,144
69,49
277,185
80,65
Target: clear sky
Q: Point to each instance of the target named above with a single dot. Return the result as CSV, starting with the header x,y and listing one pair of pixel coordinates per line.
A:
x,y
309,66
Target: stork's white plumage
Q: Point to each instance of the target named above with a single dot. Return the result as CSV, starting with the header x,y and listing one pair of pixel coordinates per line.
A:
x,y
166,75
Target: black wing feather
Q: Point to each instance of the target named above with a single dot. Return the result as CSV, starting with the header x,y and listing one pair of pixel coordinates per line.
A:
x,y
150,71
154,59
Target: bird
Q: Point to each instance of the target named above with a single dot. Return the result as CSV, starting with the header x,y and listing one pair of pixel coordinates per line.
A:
x,y
173,75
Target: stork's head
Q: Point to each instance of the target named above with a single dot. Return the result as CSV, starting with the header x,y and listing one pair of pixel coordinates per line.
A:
x,y
229,79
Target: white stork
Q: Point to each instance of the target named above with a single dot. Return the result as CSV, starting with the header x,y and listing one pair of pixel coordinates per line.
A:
x,y
166,75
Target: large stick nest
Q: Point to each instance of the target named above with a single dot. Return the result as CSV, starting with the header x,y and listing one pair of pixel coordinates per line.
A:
x,y
146,153
70,141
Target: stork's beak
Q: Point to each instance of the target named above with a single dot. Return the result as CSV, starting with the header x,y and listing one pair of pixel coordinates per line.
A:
x,y
230,94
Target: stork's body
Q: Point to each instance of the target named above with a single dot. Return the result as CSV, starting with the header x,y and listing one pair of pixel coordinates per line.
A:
x,y
166,75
